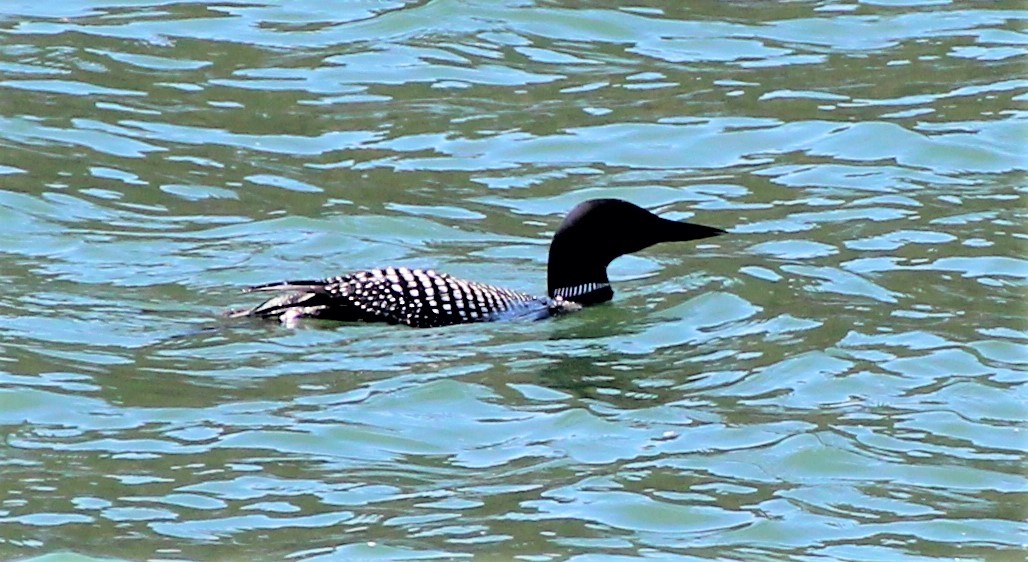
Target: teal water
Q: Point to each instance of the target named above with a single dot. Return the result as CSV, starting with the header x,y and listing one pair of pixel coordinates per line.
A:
x,y
839,378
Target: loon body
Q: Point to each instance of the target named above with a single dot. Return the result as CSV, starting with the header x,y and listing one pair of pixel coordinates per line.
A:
x,y
592,235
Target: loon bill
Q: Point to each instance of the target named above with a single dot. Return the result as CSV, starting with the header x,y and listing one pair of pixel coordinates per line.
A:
x,y
592,235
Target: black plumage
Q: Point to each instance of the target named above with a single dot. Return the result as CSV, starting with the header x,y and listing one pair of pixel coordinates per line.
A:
x,y
398,295
592,235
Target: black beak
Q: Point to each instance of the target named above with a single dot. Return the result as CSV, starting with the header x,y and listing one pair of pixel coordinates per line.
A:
x,y
675,231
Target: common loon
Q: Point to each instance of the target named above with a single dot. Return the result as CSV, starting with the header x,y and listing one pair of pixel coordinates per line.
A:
x,y
590,237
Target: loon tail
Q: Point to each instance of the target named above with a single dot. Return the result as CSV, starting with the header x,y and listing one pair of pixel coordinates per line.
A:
x,y
298,294
313,286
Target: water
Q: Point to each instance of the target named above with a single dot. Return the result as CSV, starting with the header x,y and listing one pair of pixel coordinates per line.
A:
x,y
839,378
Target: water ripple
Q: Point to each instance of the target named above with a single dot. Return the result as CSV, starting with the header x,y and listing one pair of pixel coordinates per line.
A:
x,y
839,377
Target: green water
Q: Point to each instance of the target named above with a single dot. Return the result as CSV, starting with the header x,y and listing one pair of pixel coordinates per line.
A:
x,y
839,378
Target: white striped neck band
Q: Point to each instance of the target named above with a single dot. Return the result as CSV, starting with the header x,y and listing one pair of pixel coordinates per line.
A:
x,y
579,290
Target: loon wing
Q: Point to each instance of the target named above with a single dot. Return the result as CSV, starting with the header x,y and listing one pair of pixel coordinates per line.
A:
x,y
421,298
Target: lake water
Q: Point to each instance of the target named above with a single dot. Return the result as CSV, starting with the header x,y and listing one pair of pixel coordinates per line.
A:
x,y
839,378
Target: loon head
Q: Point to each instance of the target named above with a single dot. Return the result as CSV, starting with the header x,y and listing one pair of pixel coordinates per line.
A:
x,y
596,232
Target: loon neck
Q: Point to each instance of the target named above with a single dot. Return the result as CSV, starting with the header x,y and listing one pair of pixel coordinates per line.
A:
x,y
577,273
586,293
